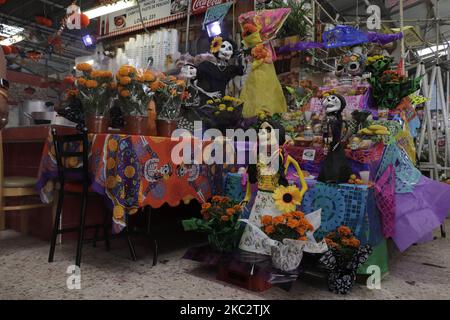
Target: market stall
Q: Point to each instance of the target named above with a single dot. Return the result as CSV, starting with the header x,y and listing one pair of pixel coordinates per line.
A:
x,y
297,172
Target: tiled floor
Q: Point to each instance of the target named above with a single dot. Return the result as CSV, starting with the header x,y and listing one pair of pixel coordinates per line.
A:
x,y
423,272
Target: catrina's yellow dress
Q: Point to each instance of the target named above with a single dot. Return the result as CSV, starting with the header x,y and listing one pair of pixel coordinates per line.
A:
x,y
262,90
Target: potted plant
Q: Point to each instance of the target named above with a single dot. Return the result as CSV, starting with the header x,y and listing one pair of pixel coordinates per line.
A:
x,y
224,113
169,93
345,256
221,222
136,100
289,232
96,90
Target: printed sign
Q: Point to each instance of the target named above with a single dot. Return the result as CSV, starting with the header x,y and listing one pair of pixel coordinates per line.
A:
x,y
216,13
200,6
309,154
154,12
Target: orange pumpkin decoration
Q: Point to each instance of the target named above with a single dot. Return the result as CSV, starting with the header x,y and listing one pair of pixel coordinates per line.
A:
x,y
7,50
84,20
43,21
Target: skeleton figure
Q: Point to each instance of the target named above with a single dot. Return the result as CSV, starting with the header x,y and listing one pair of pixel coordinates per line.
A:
x,y
350,65
335,167
333,105
214,76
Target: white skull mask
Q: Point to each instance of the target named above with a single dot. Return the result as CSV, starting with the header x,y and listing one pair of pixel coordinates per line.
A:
x,y
188,71
332,104
226,51
267,135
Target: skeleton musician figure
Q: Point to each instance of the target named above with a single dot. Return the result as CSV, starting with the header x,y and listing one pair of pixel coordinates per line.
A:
x,y
335,168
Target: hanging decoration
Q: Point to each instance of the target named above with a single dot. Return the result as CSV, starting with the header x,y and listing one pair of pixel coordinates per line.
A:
x,y
7,50
34,55
342,36
43,21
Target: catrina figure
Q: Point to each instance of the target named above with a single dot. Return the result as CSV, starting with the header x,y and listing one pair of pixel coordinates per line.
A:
x,y
335,168
262,90
274,196
213,77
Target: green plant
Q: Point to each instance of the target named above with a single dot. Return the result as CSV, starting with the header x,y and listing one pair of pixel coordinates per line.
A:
x,y
221,222
296,24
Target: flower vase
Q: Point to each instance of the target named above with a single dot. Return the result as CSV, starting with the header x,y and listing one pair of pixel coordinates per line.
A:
x,y
341,281
224,242
96,123
136,125
287,256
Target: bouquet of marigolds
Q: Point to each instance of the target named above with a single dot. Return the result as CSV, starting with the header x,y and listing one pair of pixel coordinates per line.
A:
x,y
224,113
169,92
343,240
291,225
345,256
221,222
95,89
133,90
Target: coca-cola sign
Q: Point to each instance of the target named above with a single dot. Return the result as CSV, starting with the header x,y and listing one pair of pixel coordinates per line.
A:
x,y
200,6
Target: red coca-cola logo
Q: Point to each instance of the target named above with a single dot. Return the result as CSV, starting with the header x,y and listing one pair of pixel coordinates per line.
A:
x,y
199,6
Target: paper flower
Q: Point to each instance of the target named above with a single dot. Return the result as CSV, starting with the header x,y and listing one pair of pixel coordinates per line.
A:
x,y
287,198
216,44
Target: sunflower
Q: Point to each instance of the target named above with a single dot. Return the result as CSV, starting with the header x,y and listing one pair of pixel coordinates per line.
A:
x,y
287,198
216,44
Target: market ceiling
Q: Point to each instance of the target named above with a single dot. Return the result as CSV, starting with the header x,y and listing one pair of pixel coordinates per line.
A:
x,y
23,14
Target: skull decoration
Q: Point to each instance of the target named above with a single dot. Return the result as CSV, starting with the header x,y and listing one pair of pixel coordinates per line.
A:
x,y
351,64
189,71
226,51
333,104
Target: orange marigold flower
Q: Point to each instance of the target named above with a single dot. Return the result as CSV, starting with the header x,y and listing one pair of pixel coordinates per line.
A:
x,y
300,230
261,53
181,83
125,93
91,84
84,67
298,214
126,70
106,74
266,220
224,200
206,206
172,78
269,229
155,86
237,208
249,29
344,231
81,82
225,218
125,80
345,241
230,211
354,242
217,198
278,220
302,238
149,76
292,223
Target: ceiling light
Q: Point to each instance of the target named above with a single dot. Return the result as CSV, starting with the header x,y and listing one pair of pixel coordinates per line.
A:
x,y
432,50
106,9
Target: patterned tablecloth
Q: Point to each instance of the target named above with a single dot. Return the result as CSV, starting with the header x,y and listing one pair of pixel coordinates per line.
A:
x,y
132,172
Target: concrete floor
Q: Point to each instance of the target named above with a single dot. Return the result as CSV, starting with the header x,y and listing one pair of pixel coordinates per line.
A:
x,y
422,272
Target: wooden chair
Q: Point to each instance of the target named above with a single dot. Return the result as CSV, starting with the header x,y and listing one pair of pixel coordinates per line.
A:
x,y
16,186
74,181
